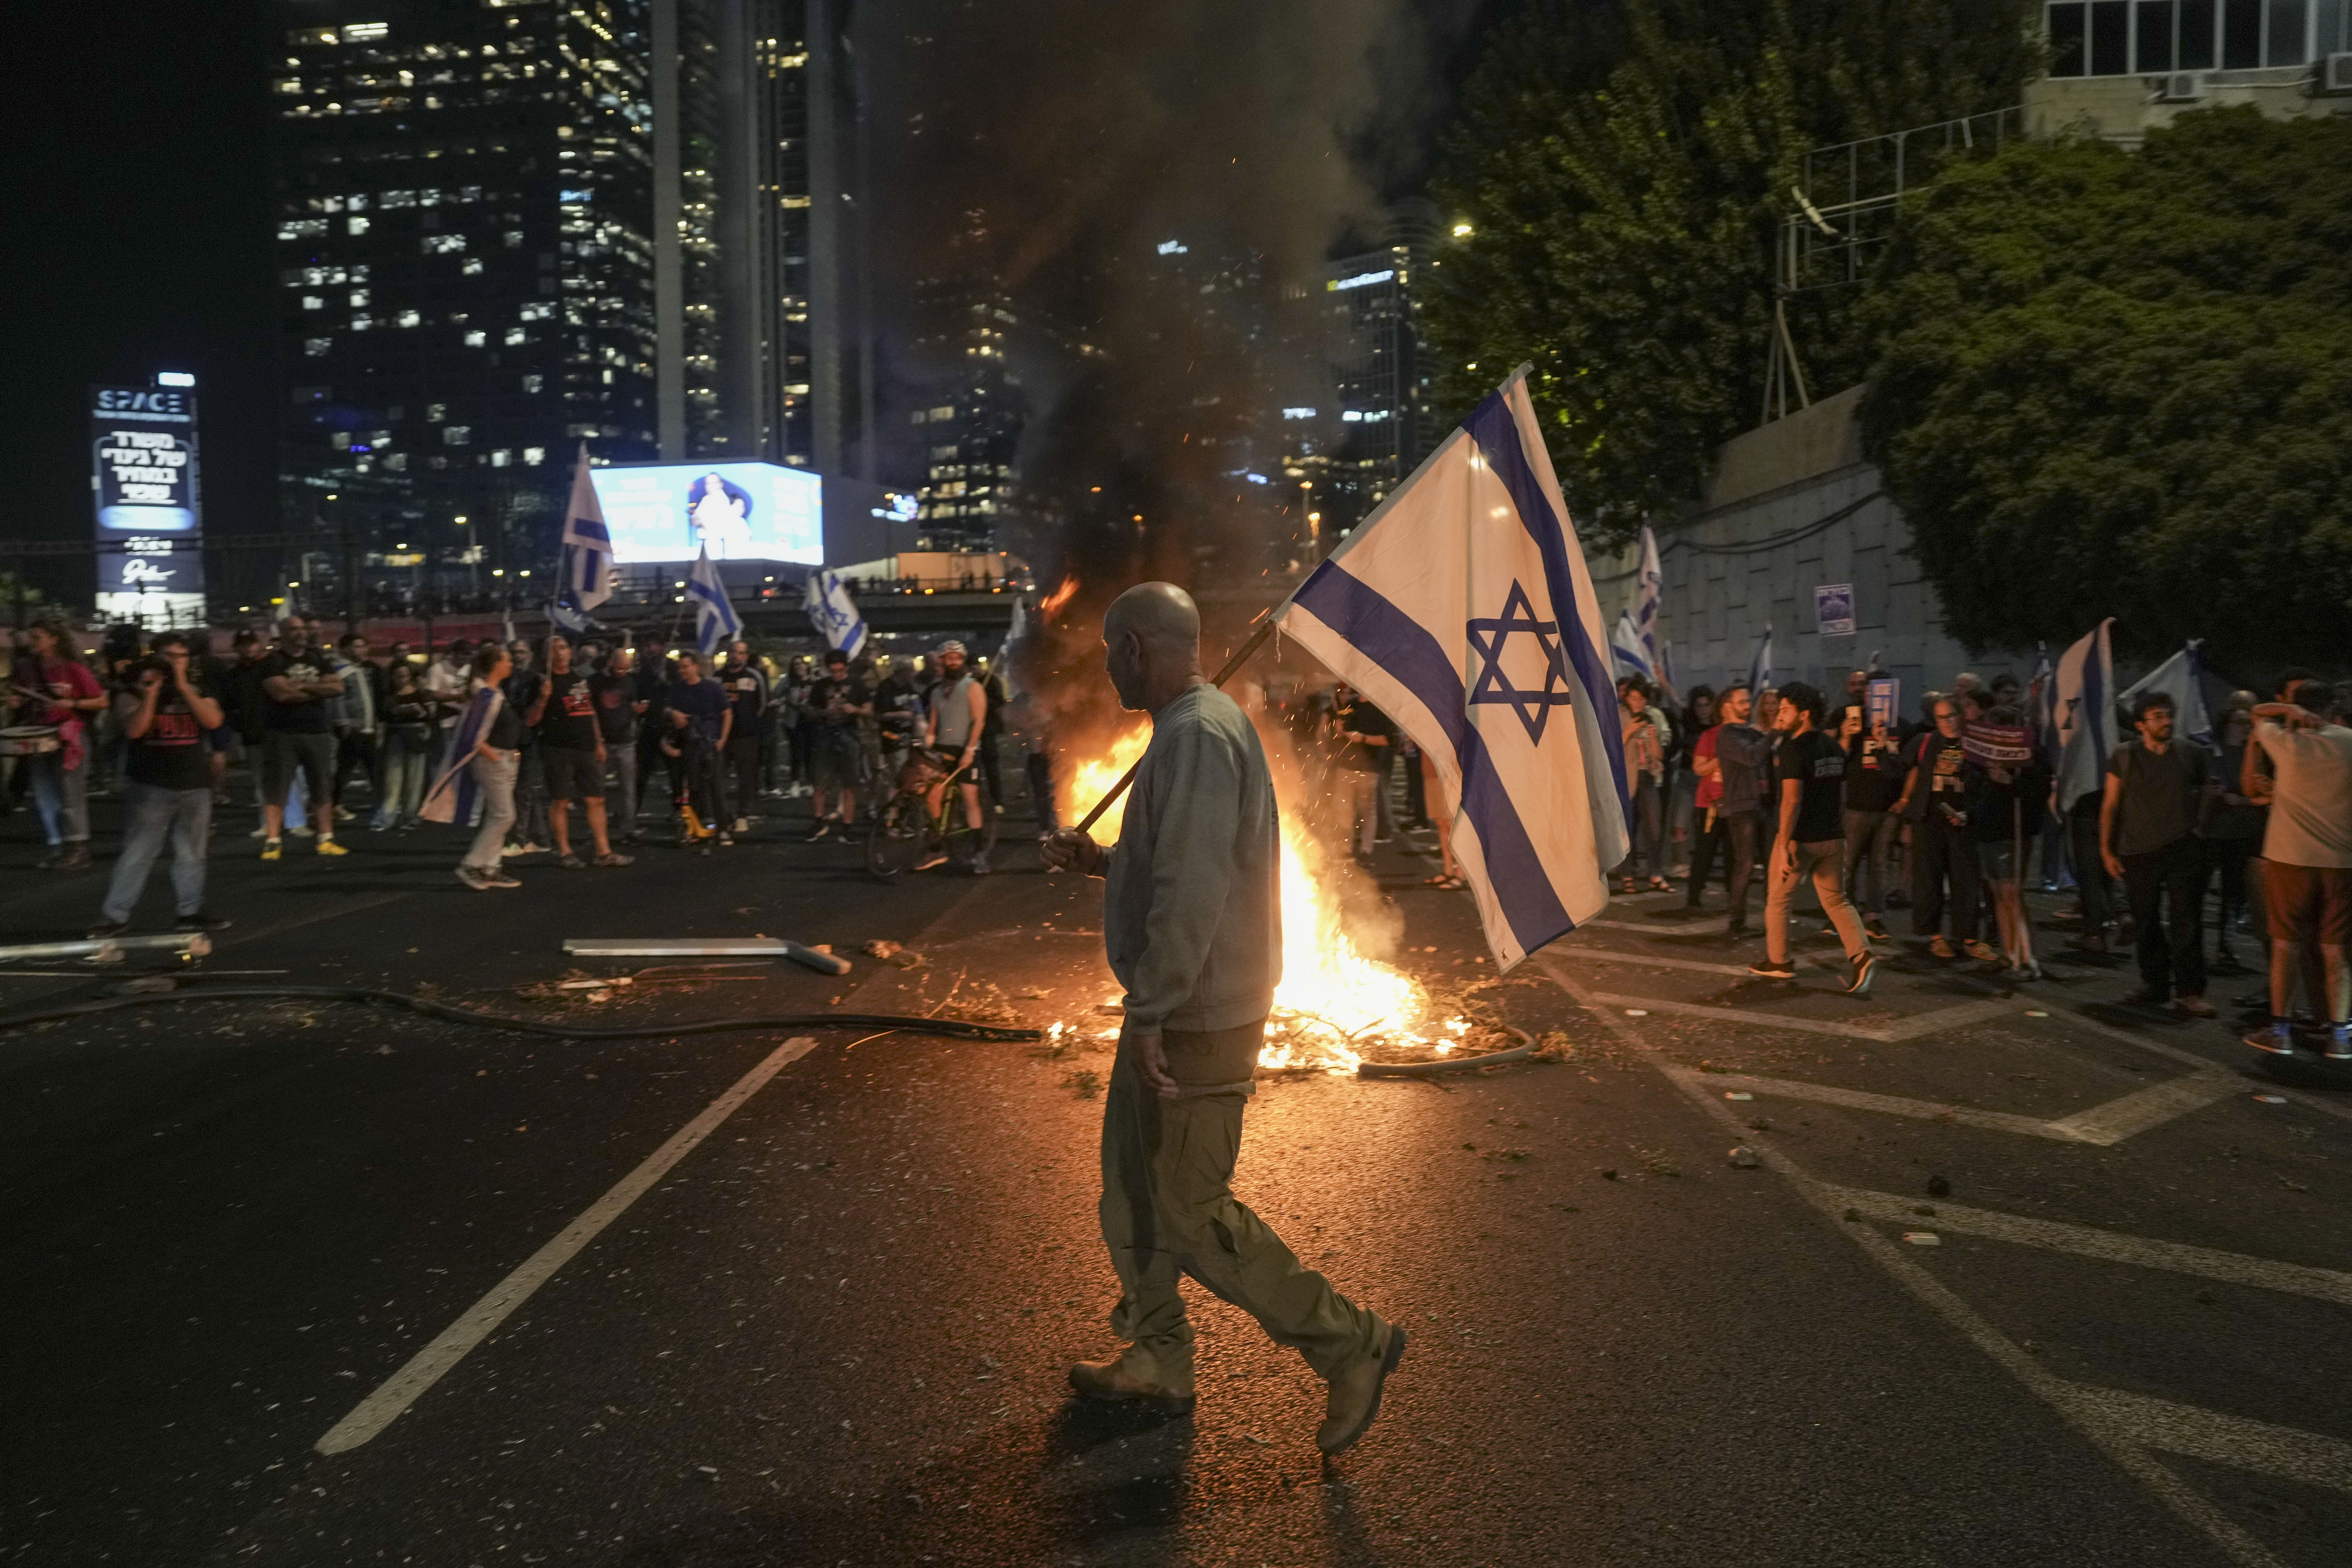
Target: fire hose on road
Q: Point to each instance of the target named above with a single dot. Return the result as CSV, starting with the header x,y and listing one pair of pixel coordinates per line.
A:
x,y
949,1028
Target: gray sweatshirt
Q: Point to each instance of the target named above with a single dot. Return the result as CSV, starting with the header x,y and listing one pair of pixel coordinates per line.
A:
x,y
1192,889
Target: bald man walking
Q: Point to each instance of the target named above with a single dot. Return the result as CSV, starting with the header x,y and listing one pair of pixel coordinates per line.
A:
x,y
1193,925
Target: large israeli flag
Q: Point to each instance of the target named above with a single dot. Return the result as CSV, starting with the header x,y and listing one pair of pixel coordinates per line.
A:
x,y
1462,607
834,614
2086,685
715,623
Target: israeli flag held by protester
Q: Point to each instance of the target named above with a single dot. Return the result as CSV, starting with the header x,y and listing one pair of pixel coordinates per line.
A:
x,y
1014,634
2182,678
2086,693
587,544
2041,703
1760,663
834,614
1625,646
1647,595
455,798
716,624
1462,609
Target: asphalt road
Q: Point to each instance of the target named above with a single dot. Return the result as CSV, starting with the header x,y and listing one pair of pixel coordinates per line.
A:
x,y
835,1328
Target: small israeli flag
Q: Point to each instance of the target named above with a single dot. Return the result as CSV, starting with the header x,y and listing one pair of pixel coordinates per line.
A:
x,y
587,544
1760,663
833,614
2086,686
1625,645
2182,678
716,624
1648,596
1462,607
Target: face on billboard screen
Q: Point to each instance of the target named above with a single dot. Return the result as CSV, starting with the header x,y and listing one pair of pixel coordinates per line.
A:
x,y
739,511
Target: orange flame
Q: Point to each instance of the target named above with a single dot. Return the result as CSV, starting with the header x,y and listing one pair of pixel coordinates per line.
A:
x,y
1061,595
1332,995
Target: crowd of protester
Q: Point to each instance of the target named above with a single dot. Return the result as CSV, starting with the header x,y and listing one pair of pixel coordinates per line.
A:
x,y
499,740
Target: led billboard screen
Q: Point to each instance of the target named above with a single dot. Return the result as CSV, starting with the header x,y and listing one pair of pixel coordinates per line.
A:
x,y
740,512
143,477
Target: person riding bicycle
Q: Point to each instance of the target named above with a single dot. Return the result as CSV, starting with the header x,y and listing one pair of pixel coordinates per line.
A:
x,y
955,715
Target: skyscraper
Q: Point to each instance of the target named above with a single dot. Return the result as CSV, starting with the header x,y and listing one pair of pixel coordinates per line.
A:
x,y
1383,419
507,227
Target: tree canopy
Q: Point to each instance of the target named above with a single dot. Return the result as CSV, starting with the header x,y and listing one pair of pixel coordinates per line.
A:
x,y
2120,382
1623,164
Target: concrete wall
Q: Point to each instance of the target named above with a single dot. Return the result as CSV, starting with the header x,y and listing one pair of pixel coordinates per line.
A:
x,y
1717,602
2125,107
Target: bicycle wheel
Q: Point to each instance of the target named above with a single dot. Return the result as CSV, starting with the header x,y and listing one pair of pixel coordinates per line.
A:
x,y
894,836
966,844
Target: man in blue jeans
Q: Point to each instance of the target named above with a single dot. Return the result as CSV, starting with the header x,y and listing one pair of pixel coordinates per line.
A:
x,y
168,788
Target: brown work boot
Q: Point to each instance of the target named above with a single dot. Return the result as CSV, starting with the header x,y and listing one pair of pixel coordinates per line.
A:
x,y
1111,1380
1354,1397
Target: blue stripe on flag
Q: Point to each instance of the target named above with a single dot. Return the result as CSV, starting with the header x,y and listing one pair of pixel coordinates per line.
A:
x,y
1398,644
1492,426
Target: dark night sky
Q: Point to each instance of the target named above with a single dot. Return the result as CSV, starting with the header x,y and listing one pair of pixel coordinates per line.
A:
x,y
140,204
138,199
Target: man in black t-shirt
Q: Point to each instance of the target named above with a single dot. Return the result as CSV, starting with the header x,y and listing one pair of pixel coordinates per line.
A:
x,y
571,755
1371,740
621,705
836,756
1874,781
1809,785
301,692
2155,802
747,692
164,715
700,718
1934,785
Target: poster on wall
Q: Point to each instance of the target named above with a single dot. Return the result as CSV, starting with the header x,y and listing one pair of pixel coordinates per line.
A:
x,y
151,565
1834,609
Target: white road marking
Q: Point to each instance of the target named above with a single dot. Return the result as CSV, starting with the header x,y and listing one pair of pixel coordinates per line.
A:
x,y
2197,1433
2151,1107
2106,1246
1933,1021
1714,927
428,1366
2303,1098
2111,1436
1885,1104
1646,961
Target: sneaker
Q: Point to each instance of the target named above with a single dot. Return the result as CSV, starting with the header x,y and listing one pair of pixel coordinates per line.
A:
x,y
930,860
472,878
258,833
572,863
498,879
1982,952
344,814
2278,1039
1767,969
329,846
1865,969
305,831
1875,928
509,851
201,921
2192,1006
2339,1044
105,929
824,829
743,824
979,865
273,849
611,858
1941,948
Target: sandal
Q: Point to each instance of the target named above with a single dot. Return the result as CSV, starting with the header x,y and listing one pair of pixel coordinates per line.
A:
x,y
1660,885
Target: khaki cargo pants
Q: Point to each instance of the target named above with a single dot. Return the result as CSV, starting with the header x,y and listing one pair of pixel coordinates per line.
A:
x,y
1168,1208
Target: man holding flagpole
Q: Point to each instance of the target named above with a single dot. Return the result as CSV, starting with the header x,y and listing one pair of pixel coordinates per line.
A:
x,y
1192,926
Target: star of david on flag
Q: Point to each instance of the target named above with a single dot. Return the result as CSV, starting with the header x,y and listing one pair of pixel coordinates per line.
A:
x,y
1462,608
